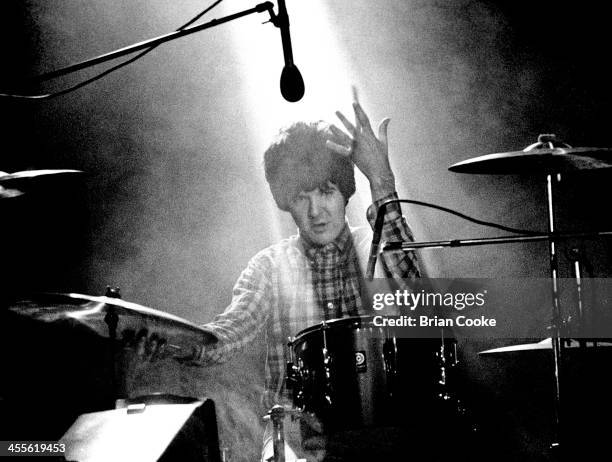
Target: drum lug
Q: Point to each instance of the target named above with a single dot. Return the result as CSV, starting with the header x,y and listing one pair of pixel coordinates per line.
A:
x,y
327,363
292,375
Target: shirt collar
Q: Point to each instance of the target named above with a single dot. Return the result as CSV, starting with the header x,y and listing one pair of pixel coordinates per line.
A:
x,y
339,244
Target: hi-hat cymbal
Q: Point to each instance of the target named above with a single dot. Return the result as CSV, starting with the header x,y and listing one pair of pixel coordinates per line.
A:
x,y
545,344
183,337
7,193
537,160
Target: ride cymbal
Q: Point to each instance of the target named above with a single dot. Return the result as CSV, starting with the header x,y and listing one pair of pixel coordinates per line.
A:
x,y
546,156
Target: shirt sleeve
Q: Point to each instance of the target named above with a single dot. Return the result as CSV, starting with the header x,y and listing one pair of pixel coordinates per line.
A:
x,y
397,264
243,319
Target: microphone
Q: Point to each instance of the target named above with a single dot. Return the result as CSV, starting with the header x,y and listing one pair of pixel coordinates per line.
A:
x,y
291,82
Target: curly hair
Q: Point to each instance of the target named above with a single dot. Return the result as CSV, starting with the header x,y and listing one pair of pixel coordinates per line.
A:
x,y
299,160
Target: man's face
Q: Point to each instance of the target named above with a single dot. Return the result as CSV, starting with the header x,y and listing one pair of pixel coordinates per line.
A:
x,y
319,214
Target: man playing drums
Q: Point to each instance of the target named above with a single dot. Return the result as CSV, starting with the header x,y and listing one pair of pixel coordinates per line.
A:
x,y
318,274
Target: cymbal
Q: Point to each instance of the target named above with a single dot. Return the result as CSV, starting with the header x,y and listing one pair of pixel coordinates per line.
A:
x,y
8,179
6,193
537,160
183,337
545,344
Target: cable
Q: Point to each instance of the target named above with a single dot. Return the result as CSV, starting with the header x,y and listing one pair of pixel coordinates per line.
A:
x,y
112,69
465,217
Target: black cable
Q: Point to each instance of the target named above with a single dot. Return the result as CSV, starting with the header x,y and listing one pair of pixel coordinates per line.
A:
x,y
465,217
112,69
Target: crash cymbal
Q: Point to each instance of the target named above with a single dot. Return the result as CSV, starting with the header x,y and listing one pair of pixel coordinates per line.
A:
x,y
547,156
34,176
545,344
183,337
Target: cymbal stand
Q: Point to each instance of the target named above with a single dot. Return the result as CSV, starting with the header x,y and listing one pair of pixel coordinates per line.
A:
x,y
579,268
112,321
552,237
277,414
557,320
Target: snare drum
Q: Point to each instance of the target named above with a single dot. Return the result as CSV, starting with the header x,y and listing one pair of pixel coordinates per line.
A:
x,y
353,374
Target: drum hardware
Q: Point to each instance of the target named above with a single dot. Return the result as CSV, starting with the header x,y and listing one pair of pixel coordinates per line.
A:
x,y
444,392
293,372
27,179
549,157
33,176
19,183
575,256
277,416
108,315
111,318
8,193
327,363
406,246
546,345
90,311
580,265
351,374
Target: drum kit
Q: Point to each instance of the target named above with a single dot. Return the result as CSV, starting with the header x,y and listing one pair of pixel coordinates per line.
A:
x,y
329,361
348,372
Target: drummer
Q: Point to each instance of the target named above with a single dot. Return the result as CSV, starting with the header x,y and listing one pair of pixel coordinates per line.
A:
x,y
318,273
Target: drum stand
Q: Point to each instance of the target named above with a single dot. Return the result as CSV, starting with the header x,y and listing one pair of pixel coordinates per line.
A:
x,y
552,236
277,415
111,318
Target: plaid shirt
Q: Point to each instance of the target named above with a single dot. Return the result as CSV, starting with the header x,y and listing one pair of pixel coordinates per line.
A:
x,y
292,285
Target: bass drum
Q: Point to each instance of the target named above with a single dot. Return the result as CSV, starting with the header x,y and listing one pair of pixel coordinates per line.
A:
x,y
352,374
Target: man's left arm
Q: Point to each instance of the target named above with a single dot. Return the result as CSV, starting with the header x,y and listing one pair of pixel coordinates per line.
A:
x,y
397,264
370,153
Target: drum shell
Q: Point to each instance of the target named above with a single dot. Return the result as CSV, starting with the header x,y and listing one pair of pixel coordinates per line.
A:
x,y
352,374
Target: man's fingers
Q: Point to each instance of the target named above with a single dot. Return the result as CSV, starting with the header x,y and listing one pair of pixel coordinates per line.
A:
x,y
160,348
338,148
152,345
344,138
144,346
349,126
141,342
362,117
382,131
127,338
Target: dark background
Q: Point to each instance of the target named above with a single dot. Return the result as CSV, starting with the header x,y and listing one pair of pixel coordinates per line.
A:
x,y
173,202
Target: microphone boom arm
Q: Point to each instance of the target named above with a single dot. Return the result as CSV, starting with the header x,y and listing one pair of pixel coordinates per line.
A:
x,y
260,8
281,20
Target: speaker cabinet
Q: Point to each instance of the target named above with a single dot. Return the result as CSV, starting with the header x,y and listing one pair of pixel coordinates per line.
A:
x,y
145,432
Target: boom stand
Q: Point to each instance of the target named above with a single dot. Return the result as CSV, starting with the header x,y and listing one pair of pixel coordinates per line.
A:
x,y
552,237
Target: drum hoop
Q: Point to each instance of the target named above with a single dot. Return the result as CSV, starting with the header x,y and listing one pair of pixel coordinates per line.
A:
x,y
352,321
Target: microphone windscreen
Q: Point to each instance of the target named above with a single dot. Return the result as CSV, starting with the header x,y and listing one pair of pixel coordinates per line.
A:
x,y
291,83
